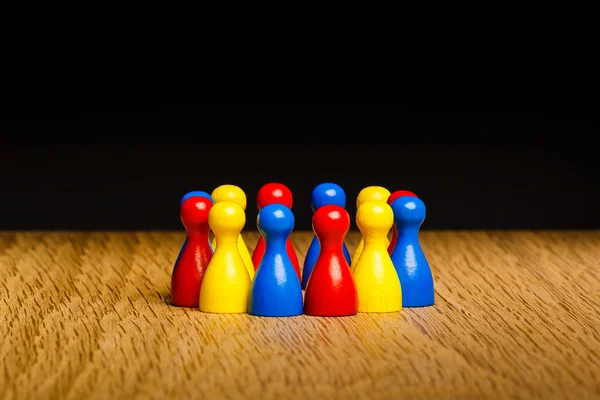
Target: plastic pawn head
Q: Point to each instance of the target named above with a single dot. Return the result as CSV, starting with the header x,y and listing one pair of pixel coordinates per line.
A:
x,y
274,193
374,219
369,193
196,193
230,193
399,193
275,219
194,212
409,210
328,193
331,222
226,219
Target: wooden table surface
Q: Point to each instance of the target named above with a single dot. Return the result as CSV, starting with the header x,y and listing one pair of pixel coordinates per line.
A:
x,y
87,316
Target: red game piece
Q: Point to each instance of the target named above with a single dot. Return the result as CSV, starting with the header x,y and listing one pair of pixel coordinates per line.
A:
x,y
394,196
275,193
331,290
190,267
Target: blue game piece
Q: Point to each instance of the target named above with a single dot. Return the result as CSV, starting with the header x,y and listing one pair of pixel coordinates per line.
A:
x,y
408,257
323,194
196,193
184,198
276,290
327,193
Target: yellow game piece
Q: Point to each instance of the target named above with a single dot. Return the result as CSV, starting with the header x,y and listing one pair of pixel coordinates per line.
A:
x,y
230,193
357,253
226,284
377,282
370,193
235,194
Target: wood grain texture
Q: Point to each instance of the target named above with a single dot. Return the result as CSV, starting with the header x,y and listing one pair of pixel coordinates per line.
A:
x,y
87,316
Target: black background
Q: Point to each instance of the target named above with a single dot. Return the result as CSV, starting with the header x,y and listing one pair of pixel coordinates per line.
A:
x,y
121,158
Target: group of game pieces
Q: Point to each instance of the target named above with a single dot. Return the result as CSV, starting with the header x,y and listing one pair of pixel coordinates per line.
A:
x,y
383,275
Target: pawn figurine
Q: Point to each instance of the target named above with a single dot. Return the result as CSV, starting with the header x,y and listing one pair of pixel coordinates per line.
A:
x,y
276,290
186,196
322,195
195,254
331,291
370,193
275,193
226,282
235,194
390,200
408,257
196,193
376,279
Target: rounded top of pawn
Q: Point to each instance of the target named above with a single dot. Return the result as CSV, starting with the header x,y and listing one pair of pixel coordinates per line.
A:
x,y
328,193
399,193
196,193
274,193
194,212
331,221
374,218
408,209
275,219
230,193
372,193
226,218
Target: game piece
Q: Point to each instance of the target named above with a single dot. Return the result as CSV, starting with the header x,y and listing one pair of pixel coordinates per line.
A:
x,y
184,198
322,195
331,291
276,290
226,284
195,254
275,193
394,196
235,194
196,193
377,282
370,193
408,257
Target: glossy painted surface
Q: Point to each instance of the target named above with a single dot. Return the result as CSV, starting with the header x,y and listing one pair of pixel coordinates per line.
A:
x,y
184,198
195,254
230,193
323,194
408,257
394,196
327,193
331,290
276,290
370,193
311,258
235,194
226,284
259,251
196,193
376,279
275,193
